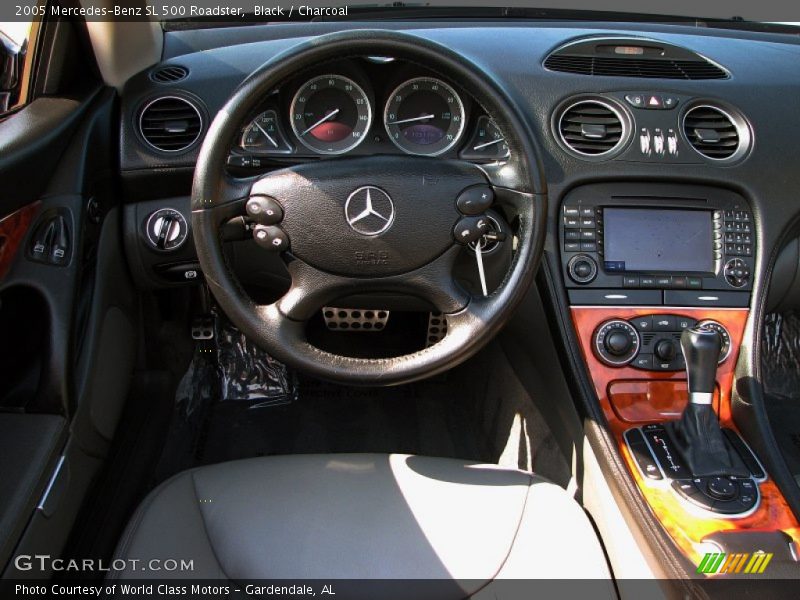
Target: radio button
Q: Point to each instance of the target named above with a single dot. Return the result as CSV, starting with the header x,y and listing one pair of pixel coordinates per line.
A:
x,y
572,246
571,211
631,281
695,283
680,282
587,211
582,269
572,222
589,246
663,281
647,281
737,273
588,234
587,222
572,234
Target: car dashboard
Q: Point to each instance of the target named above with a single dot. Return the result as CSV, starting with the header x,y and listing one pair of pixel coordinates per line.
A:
x,y
669,192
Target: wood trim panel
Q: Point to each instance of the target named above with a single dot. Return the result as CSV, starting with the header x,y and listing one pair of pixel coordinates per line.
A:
x,y
630,397
13,230
637,401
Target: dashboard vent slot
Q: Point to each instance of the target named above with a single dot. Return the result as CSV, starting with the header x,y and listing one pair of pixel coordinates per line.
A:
x,y
632,57
170,124
712,132
591,128
635,67
169,74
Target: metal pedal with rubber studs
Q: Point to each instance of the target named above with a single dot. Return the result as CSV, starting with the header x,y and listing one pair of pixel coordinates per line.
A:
x,y
203,328
354,319
437,328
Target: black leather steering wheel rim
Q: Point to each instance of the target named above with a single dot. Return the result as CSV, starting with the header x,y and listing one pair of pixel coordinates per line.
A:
x,y
279,328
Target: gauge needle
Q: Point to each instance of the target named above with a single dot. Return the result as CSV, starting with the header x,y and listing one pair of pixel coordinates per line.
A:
x,y
486,144
269,137
422,118
327,117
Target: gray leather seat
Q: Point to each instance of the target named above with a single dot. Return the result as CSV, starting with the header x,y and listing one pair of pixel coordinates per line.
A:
x,y
357,516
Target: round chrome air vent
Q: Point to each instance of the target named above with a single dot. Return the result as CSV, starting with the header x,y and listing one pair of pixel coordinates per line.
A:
x,y
718,134
170,123
592,128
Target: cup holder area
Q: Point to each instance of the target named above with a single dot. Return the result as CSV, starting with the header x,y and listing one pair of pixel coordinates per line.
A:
x,y
25,323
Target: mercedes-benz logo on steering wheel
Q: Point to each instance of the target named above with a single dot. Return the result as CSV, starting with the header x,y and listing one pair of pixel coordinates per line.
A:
x,y
369,210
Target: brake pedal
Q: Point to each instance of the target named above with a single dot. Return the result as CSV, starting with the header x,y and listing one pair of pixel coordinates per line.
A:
x,y
437,328
354,319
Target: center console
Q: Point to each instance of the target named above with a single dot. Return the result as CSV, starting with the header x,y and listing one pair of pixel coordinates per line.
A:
x,y
659,280
687,246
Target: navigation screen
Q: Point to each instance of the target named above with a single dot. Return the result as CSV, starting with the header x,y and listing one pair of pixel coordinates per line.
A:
x,y
657,240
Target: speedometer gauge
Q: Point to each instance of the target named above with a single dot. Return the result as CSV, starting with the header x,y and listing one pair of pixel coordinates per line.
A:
x,y
424,116
331,114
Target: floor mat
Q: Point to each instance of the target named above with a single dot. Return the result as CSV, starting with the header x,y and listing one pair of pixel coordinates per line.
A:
x,y
414,419
237,402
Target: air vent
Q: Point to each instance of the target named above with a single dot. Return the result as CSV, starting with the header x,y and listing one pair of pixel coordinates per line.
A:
x,y
170,124
632,57
631,67
714,133
592,128
169,74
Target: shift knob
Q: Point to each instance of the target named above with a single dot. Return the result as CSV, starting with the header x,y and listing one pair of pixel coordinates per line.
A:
x,y
701,348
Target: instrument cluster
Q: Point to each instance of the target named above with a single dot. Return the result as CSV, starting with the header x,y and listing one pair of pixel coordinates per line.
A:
x,y
364,107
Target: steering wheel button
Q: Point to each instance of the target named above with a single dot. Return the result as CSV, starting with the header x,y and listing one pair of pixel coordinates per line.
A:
x,y
271,238
475,200
264,210
470,229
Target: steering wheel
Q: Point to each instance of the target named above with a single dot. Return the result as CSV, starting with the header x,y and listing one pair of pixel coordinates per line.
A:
x,y
329,256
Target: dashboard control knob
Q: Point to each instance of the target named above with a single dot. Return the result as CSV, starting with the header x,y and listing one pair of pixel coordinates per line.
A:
x,y
722,488
166,229
725,337
665,350
582,268
737,273
616,342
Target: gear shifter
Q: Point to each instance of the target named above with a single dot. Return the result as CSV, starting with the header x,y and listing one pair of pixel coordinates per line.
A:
x,y
698,435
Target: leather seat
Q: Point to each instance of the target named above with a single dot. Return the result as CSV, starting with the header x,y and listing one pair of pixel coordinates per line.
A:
x,y
358,516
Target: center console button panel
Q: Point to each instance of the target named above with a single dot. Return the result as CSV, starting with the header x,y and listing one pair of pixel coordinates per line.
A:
x,y
661,465
654,341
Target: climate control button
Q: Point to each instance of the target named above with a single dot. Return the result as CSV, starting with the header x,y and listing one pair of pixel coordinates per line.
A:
x,y
616,342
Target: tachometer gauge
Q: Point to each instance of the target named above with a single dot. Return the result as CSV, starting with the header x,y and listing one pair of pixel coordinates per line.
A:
x,y
264,135
331,114
424,116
